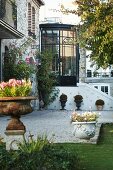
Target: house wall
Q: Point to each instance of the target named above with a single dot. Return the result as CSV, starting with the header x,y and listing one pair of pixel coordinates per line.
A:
x,y
85,65
22,26
97,81
22,16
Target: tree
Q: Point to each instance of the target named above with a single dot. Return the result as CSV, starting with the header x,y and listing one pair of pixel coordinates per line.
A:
x,y
96,29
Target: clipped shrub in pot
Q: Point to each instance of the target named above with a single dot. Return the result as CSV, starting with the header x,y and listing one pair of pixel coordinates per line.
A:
x,y
63,97
78,99
63,100
99,103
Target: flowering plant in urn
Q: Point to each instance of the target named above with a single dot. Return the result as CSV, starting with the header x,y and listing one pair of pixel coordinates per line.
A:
x,y
84,117
84,124
14,88
15,100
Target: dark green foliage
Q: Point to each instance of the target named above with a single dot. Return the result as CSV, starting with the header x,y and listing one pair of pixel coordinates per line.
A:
x,y
38,155
5,158
46,78
78,98
15,66
18,71
63,97
99,102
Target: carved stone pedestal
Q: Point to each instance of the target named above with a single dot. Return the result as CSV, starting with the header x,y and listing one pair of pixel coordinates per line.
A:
x,y
15,107
14,138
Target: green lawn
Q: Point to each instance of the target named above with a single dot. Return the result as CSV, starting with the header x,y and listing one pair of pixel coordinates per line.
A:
x,y
99,156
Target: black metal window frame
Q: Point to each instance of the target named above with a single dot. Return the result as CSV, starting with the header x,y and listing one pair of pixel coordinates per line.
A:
x,y
44,44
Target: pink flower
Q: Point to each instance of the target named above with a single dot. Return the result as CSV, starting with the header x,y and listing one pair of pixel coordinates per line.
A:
x,y
19,82
15,88
3,85
12,82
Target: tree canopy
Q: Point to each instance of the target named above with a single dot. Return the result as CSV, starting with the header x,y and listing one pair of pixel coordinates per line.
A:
x,y
96,29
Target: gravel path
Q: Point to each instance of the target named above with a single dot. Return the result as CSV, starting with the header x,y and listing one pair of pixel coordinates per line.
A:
x,y
54,124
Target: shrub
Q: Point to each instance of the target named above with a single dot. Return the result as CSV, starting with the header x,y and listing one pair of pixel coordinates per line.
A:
x,y
14,64
38,154
78,98
99,102
63,97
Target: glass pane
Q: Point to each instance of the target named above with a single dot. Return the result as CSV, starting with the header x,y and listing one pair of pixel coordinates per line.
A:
x,y
49,31
102,88
106,89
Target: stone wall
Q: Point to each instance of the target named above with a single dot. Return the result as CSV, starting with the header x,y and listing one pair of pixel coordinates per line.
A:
x,y
82,65
22,26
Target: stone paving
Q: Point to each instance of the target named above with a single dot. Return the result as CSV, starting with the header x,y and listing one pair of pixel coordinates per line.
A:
x,y
54,124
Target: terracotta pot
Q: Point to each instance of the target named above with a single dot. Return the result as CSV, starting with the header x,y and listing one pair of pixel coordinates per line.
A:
x,y
99,107
15,107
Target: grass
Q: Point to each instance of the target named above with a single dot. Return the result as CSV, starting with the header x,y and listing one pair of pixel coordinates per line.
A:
x,y
96,157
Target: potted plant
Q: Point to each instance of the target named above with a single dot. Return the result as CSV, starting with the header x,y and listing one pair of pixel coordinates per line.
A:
x,y
78,99
99,104
15,101
84,124
63,100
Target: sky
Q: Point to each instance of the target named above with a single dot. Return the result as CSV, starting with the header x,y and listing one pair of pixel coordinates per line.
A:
x,y
50,7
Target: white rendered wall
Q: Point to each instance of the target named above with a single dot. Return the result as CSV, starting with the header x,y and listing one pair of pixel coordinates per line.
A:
x,y
90,95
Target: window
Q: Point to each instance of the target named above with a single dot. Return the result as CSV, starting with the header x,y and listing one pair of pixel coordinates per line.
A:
x,y
60,41
29,16
96,87
103,88
31,20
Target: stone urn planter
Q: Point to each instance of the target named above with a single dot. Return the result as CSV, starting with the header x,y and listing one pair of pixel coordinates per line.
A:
x,y
63,100
84,130
78,99
15,107
84,124
15,100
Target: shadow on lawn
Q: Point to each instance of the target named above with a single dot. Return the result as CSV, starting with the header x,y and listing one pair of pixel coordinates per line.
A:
x,y
106,134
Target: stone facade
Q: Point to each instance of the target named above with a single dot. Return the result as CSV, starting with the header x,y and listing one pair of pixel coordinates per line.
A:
x,y
82,65
22,26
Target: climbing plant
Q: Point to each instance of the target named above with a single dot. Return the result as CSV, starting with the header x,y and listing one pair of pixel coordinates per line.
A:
x,y
14,64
